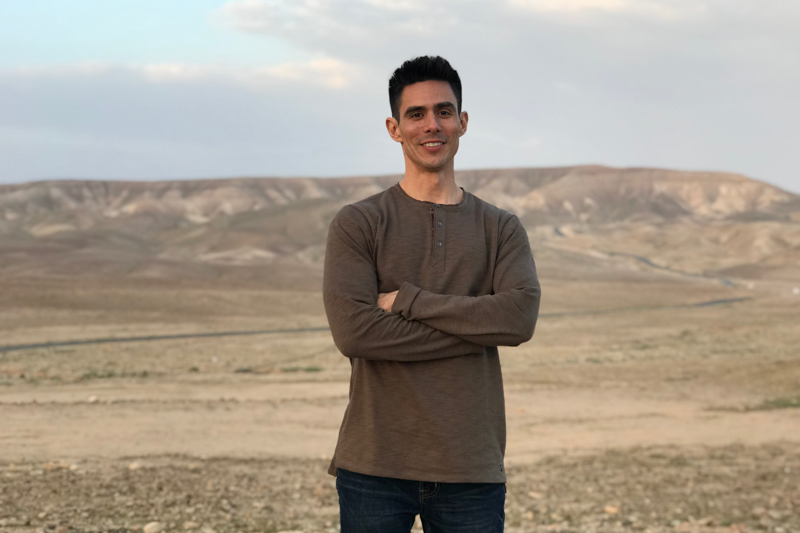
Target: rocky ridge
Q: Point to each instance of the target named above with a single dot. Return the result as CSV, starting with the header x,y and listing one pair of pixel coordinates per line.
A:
x,y
700,222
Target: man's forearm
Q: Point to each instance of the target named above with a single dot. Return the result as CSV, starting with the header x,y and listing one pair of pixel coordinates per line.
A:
x,y
503,319
368,332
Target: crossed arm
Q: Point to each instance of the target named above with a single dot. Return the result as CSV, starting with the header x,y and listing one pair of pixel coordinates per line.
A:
x,y
418,325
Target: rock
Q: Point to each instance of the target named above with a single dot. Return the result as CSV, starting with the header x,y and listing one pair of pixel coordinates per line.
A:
x,y
134,465
92,399
190,525
611,509
153,527
536,495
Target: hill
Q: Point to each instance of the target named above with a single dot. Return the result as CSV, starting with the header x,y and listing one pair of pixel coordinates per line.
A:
x,y
593,219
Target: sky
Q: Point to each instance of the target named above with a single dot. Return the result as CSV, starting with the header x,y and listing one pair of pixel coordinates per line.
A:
x,y
185,89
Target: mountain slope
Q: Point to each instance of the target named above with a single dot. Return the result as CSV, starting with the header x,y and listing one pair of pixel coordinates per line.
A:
x,y
698,222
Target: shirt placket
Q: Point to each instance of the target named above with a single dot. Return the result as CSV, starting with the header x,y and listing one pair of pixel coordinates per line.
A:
x,y
438,233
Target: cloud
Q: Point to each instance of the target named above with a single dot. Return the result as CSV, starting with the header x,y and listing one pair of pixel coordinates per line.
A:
x,y
170,121
362,23
653,8
572,5
176,72
349,27
672,83
329,72
325,72
80,69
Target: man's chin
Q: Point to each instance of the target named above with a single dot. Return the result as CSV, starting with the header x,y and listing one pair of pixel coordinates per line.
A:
x,y
433,167
435,164
432,164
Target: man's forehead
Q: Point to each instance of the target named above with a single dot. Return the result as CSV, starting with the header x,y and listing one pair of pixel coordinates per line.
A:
x,y
427,93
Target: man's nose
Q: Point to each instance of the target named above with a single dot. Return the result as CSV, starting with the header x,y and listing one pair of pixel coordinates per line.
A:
x,y
432,123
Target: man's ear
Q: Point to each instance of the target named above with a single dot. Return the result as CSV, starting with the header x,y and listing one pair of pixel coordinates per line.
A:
x,y
394,129
464,118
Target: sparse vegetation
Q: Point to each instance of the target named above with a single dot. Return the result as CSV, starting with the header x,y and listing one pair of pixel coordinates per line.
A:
x,y
106,374
769,404
301,369
776,403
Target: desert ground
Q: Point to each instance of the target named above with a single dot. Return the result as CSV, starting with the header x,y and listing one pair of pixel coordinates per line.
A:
x,y
165,362
653,403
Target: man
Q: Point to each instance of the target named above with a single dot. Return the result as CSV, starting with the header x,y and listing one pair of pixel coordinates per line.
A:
x,y
422,282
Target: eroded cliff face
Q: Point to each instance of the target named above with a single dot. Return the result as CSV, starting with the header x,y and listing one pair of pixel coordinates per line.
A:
x,y
698,222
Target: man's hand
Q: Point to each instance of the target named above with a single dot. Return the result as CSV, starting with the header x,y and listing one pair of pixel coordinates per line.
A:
x,y
386,299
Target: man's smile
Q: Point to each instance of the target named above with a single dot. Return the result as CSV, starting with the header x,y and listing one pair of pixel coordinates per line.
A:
x,y
433,145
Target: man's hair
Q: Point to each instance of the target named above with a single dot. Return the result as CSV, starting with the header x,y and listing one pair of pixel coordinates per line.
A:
x,y
423,68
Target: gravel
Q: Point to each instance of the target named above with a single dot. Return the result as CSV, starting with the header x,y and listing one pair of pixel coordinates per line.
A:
x,y
683,490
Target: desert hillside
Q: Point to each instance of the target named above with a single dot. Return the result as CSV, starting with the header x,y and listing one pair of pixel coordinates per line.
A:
x,y
633,219
166,365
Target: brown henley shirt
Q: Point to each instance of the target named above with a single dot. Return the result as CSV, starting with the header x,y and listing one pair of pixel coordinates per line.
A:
x,y
426,391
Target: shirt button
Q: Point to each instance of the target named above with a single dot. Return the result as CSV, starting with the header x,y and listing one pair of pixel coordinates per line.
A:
x,y
439,223
439,243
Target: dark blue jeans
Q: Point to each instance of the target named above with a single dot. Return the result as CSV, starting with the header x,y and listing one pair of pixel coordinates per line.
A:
x,y
373,504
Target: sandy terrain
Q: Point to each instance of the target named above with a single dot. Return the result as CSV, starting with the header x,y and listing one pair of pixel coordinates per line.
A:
x,y
629,410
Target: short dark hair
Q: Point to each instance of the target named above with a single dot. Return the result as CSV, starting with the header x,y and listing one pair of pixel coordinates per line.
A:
x,y
422,68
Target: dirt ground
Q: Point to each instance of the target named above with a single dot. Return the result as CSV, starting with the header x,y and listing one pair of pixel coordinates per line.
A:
x,y
630,409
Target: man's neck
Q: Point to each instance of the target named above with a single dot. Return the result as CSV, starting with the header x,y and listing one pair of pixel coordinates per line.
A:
x,y
437,187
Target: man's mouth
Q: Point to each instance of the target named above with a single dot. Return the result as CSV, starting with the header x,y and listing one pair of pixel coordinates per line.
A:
x,y
433,144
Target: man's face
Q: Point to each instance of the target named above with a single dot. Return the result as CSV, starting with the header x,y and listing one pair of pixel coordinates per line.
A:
x,y
429,126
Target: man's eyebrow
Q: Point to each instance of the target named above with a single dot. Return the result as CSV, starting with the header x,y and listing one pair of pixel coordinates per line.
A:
x,y
441,105
414,109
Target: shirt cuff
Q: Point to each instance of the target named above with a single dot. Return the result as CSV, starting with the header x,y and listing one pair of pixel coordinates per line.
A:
x,y
404,299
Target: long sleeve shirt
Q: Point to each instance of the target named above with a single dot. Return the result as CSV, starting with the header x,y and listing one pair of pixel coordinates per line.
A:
x,y
426,396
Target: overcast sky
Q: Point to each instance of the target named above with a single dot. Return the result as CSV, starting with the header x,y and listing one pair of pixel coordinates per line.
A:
x,y
154,89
